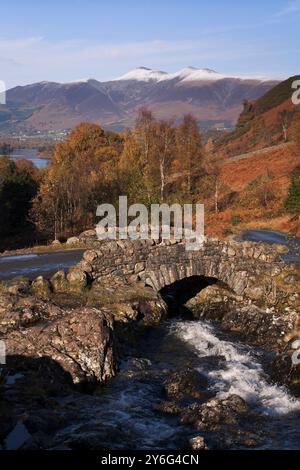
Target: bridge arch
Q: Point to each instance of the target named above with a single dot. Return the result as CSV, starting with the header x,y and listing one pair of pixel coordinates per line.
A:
x,y
165,269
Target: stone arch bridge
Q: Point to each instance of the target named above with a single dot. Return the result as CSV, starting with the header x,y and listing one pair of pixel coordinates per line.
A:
x,y
250,269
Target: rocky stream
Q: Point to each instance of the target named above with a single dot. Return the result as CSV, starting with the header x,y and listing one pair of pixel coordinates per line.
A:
x,y
116,365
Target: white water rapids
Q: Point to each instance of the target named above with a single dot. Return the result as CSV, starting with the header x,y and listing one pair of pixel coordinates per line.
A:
x,y
243,374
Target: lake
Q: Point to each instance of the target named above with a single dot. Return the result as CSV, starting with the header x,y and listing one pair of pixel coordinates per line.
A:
x,y
31,155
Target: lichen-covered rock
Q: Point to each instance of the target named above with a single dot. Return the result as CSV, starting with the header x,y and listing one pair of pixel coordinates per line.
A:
x,y
139,267
88,236
228,422
72,241
286,366
153,311
17,285
7,301
216,413
59,281
186,383
56,243
77,279
85,266
260,326
90,255
212,302
18,312
255,292
80,341
41,286
198,443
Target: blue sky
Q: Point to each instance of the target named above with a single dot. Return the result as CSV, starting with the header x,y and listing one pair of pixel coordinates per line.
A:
x,y
73,39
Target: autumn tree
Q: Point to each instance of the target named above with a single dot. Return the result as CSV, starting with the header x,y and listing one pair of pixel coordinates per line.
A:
x,y
150,150
94,166
146,160
82,174
131,169
137,159
189,152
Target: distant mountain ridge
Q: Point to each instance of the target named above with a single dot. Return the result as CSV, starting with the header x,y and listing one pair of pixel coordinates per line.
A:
x,y
210,96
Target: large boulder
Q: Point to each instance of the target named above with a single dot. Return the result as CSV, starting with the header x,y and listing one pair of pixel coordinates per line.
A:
x,y
41,286
79,340
286,366
230,420
91,255
265,327
56,243
72,241
77,279
17,285
152,311
211,302
59,281
88,236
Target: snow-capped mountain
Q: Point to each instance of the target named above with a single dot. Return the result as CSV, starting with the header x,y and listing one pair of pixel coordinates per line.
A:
x,y
192,74
210,96
187,74
143,74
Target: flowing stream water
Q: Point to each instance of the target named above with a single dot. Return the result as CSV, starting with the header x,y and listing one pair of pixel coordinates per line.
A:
x,y
121,415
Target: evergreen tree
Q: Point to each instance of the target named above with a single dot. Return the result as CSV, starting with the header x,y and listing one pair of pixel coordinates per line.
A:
x,y
292,203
